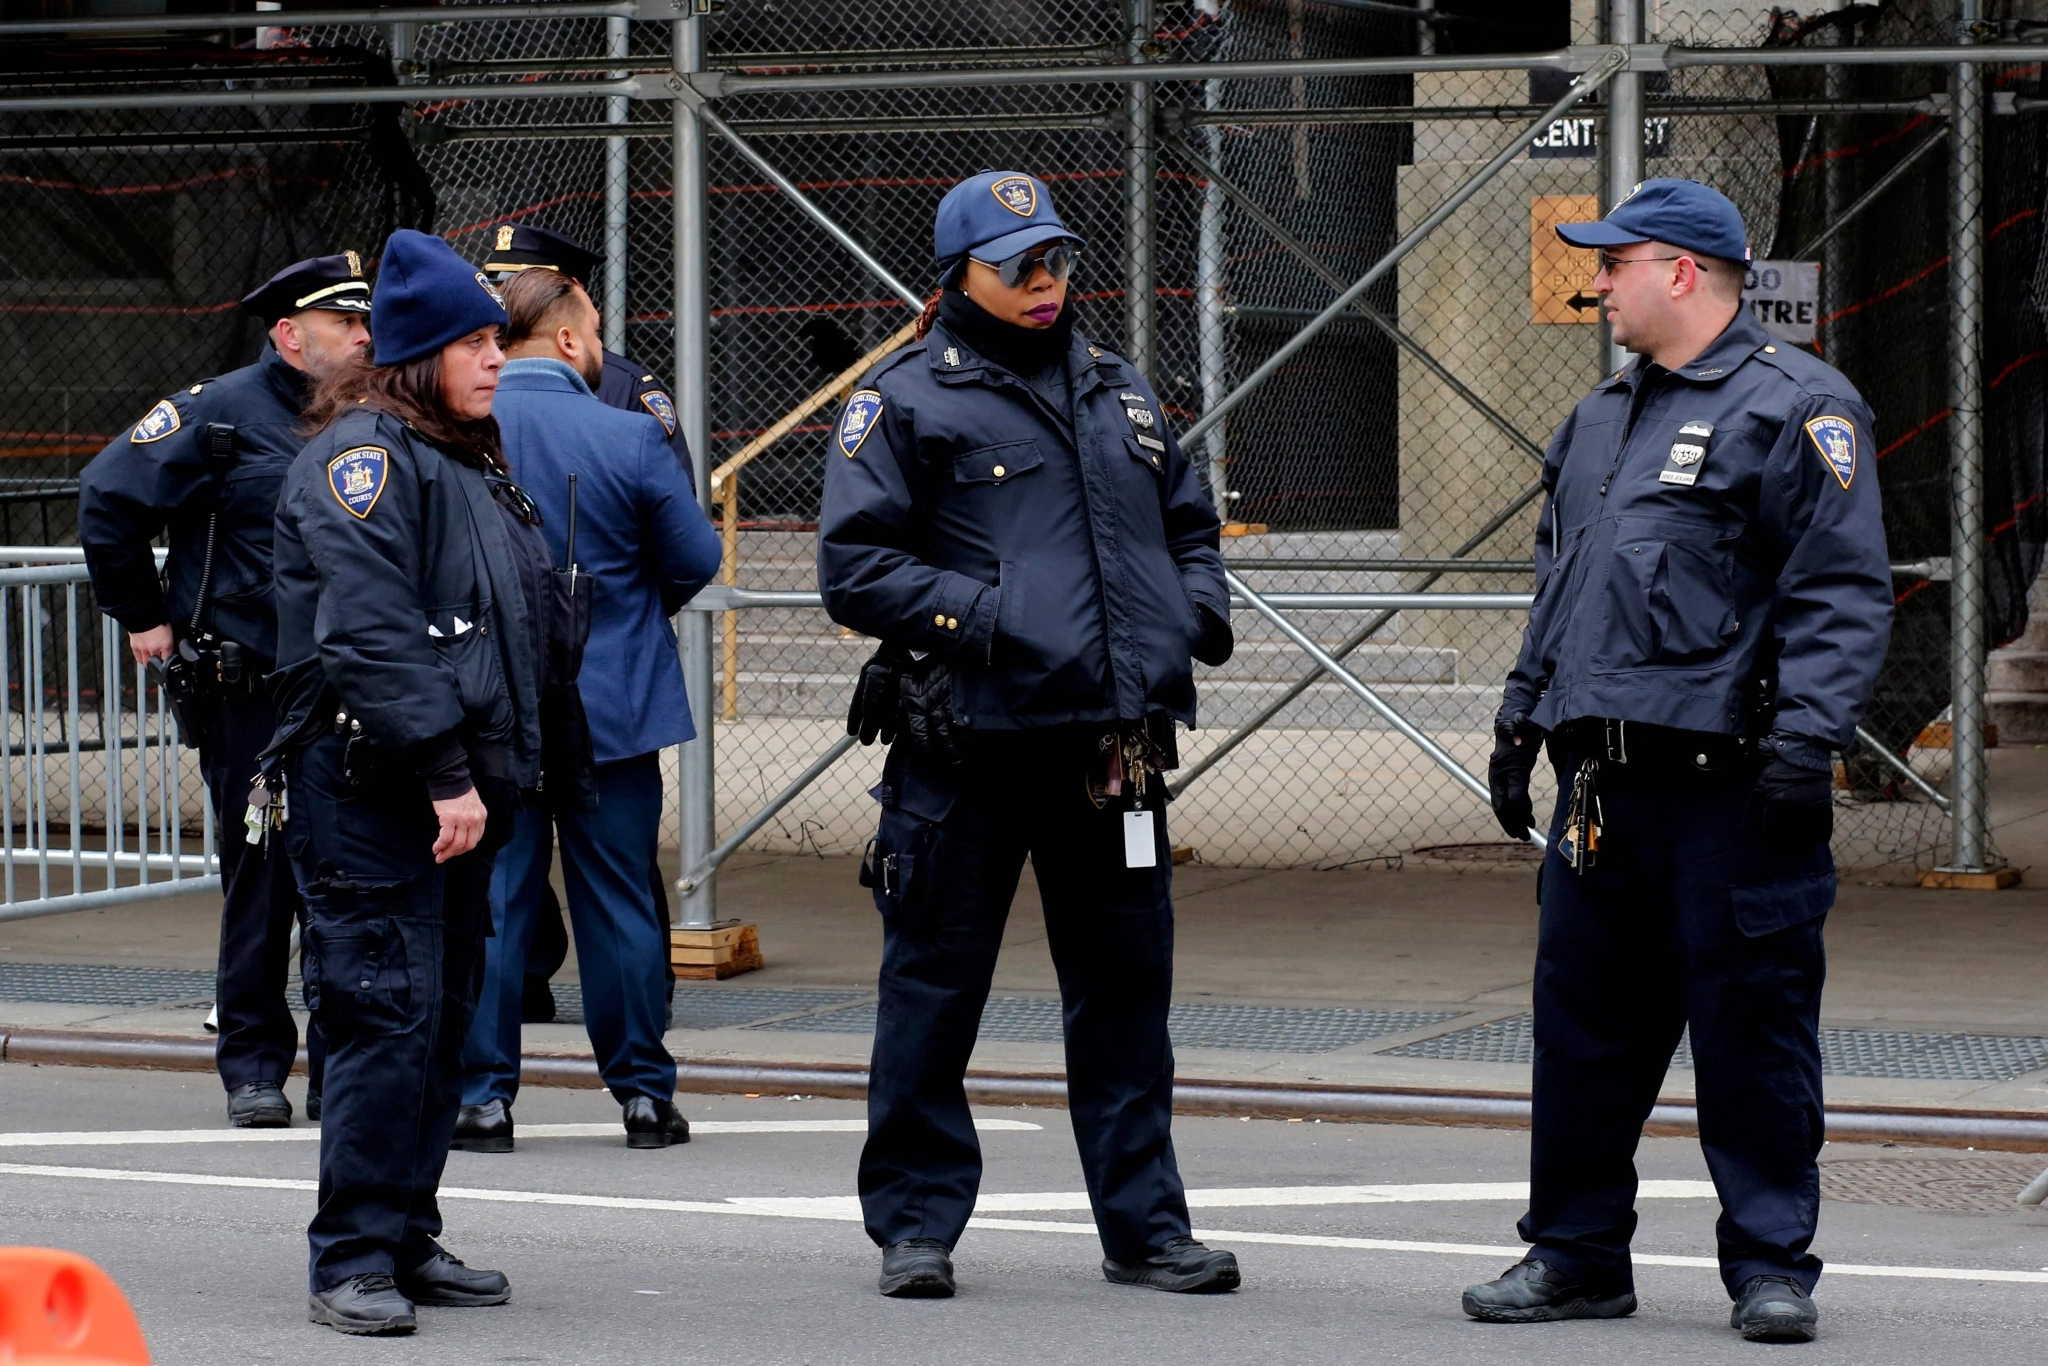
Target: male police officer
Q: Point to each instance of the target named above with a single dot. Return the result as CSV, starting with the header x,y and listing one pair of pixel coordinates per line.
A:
x,y
209,462
1712,605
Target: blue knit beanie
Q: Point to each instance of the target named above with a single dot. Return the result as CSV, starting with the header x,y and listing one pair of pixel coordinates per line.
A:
x,y
427,296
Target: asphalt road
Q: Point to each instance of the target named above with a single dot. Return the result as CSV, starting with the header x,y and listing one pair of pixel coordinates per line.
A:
x,y
745,1245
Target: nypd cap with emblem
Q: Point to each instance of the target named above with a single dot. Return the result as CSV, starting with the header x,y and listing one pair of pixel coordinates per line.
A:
x,y
427,297
333,283
995,215
518,246
1684,213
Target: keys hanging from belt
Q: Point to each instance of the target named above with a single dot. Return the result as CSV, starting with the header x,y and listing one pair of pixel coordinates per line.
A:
x,y
1580,842
269,809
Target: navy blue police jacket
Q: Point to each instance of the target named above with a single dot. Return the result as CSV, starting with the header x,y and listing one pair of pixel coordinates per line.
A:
x,y
163,475
1712,535
398,590
626,386
1055,563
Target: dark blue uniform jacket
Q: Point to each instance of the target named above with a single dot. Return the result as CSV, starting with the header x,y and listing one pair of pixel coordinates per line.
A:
x,y
397,585
1056,563
639,534
1708,529
628,387
160,475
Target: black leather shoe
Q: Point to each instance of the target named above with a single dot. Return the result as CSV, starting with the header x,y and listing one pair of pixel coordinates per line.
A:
x,y
652,1123
485,1128
368,1304
1774,1309
313,1103
917,1269
1531,1291
259,1105
443,1281
1183,1266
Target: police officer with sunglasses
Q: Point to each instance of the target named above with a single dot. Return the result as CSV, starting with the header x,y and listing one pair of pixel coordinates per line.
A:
x,y
1007,511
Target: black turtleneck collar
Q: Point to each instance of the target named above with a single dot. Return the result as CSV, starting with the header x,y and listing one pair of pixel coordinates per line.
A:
x,y
1023,351
294,383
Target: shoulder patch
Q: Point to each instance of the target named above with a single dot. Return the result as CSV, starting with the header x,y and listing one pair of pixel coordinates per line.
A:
x,y
158,423
656,402
1835,439
356,477
858,420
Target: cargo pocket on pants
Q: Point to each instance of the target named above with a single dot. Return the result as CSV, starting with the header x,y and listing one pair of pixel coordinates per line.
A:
x,y
1769,907
366,978
898,868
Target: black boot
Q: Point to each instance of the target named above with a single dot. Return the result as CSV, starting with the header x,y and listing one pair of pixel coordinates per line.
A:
x,y
917,1269
1531,1291
652,1123
443,1281
1183,1266
259,1105
313,1103
485,1128
367,1304
1774,1309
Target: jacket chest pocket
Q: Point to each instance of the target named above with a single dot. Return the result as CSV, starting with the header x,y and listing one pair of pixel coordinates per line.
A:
x,y
1668,601
996,464
463,643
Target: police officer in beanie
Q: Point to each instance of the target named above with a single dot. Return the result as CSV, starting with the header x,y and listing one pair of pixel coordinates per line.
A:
x,y
206,463
412,589
1006,509
1713,602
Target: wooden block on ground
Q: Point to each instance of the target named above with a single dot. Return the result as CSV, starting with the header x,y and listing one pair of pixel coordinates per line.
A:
x,y
1937,733
719,952
1183,853
1992,880
1243,529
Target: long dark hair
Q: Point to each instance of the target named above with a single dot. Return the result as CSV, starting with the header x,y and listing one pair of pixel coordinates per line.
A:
x,y
410,392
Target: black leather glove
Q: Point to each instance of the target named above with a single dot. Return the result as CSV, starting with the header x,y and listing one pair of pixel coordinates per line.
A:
x,y
1217,642
926,689
1517,745
873,713
1791,807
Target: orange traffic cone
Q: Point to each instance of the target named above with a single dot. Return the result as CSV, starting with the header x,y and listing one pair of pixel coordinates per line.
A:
x,y
58,1309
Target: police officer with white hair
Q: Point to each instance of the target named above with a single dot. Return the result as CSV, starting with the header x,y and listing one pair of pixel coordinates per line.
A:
x,y
1713,601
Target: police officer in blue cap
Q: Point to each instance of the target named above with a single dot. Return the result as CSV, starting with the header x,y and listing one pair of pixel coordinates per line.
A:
x,y
412,597
1712,605
206,463
1007,510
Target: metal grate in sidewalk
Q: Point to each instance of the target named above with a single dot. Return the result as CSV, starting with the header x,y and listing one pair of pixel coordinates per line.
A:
x,y
96,985
1899,1054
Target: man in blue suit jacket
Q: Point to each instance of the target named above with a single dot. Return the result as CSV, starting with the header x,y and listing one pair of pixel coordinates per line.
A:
x,y
648,549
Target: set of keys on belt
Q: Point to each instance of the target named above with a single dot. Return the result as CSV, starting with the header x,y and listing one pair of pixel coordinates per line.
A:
x,y
269,809
1580,842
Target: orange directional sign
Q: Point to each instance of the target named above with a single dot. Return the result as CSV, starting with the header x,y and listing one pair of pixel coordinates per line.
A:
x,y
1561,276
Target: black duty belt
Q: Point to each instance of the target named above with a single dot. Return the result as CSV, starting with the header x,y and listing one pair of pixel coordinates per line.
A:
x,y
1638,745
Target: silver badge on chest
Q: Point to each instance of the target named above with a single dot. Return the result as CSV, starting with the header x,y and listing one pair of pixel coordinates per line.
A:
x,y
1688,453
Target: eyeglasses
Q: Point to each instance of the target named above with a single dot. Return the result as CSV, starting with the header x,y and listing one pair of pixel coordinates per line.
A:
x,y
1610,264
515,499
1058,260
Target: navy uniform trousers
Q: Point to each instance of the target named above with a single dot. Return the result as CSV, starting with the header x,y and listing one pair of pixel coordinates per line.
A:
x,y
394,961
258,1038
1684,919
945,866
621,938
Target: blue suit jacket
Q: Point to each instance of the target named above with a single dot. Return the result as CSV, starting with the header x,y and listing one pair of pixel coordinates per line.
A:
x,y
639,533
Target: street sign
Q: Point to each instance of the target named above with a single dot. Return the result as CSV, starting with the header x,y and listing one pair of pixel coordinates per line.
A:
x,y
1785,297
1577,134
1561,275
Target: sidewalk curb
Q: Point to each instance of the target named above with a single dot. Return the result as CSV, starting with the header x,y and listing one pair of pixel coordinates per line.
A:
x,y
2003,1130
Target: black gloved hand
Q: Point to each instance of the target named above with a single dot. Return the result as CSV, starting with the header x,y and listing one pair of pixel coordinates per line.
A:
x,y
1517,744
1791,807
1217,642
926,689
873,713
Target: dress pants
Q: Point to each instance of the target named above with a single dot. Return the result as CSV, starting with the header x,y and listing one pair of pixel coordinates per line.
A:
x,y
944,867
258,1038
1684,919
394,960
621,940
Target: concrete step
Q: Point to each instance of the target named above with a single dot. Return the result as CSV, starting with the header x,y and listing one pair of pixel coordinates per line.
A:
x,y
2017,670
2021,717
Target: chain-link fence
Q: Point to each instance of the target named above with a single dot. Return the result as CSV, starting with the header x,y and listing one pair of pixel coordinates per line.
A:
x,y
1387,454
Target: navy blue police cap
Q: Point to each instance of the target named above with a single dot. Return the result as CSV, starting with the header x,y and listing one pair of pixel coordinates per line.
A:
x,y
1684,213
333,283
520,246
427,297
994,215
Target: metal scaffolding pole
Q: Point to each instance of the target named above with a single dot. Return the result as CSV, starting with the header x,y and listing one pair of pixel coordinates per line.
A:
x,y
697,795
1623,139
1966,454
1212,288
616,192
1139,156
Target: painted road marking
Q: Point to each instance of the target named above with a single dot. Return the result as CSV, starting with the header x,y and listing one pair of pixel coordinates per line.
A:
x,y
87,1138
842,1209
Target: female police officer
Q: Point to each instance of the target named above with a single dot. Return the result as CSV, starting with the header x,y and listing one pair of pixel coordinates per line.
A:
x,y
409,585
1006,510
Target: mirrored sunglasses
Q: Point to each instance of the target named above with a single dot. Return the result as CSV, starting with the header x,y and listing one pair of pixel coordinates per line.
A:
x,y
1056,257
